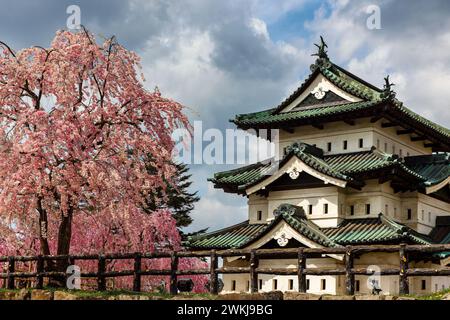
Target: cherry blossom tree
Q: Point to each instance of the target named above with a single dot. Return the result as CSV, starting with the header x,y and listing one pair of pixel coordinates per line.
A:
x,y
77,127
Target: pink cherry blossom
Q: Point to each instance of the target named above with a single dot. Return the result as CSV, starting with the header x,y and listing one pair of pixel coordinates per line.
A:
x,y
77,126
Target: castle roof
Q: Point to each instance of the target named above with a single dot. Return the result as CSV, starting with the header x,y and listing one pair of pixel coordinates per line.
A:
x,y
350,232
369,101
412,173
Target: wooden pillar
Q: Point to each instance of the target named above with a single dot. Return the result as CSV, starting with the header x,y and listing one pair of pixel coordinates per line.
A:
x,y
213,280
39,271
300,271
403,281
349,276
253,273
101,280
173,273
137,272
11,269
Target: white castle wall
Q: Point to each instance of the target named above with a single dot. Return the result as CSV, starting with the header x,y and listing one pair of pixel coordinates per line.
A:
x,y
381,198
373,135
335,284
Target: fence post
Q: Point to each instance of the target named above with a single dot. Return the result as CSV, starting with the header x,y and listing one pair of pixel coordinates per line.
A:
x,y
403,281
101,280
11,269
39,271
213,281
173,273
349,276
253,273
137,272
300,270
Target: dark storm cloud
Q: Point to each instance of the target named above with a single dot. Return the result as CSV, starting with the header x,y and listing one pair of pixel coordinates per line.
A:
x,y
26,23
244,54
405,16
238,50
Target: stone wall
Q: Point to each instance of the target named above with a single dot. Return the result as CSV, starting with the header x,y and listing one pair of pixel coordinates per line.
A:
x,y
274,295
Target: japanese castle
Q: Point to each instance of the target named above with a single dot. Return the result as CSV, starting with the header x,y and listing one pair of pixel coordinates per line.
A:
x,y
356,167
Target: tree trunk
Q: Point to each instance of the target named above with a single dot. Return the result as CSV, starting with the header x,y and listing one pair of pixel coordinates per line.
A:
x,y
43,240
63,248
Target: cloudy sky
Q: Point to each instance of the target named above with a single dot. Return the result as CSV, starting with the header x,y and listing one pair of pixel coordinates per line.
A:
x,y
220,58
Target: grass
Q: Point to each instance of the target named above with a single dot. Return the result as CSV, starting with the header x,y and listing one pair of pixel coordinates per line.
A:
x,y
432,296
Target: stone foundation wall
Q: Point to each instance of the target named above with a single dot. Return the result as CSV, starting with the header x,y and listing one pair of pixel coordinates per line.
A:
x,y
275,295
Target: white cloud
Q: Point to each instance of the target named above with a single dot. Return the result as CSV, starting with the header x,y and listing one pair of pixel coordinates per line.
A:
x,y
260,28
214,213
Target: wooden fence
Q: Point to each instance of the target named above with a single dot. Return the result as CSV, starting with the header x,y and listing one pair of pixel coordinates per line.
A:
x,y
301,271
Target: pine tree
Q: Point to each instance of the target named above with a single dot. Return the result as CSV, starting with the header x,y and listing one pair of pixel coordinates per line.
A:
x,y
179,200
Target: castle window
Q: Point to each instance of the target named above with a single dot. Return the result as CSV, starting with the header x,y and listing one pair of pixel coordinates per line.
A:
x,y
361,143
357,285
291,284
310,209
423,215
393,149
345,145
259,215
323,284
395,212
424,285
352,210
247,288
429,216
401,153
307,284
409,217
378,143
233,285
386,210
325,208
260,284
385,147
274,284
329,146
368,208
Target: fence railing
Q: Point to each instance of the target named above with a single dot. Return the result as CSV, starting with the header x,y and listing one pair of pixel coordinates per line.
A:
x,y
300,254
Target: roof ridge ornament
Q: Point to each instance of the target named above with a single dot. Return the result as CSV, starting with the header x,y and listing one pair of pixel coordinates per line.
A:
x,y
287,209
322,61
388,93
322,52
299,146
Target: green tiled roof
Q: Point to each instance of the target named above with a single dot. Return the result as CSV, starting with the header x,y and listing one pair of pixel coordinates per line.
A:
x,y
435,167
339,77
301,152
441,232
371,96
373,230
243,234
231,237
347,167
349,232
427,123
268,117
